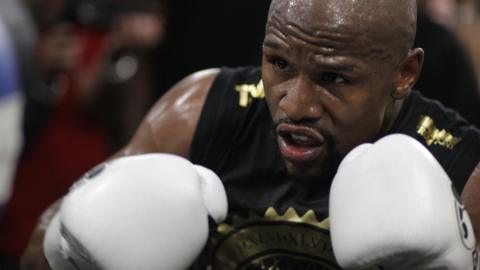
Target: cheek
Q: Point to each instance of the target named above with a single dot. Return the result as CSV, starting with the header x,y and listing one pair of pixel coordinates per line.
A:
x,y
359,122
272,101
272,95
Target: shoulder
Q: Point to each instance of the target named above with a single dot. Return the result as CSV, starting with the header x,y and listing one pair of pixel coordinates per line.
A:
x,y
417,108
453,141
233,111
170,124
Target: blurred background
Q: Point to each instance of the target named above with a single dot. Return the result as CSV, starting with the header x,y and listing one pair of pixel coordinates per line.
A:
x,y
77,76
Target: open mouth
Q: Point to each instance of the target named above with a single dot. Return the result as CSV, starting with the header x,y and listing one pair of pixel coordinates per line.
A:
x,y
298,143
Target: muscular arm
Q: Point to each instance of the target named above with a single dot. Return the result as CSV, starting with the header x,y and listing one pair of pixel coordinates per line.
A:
x,y
471,200
168,127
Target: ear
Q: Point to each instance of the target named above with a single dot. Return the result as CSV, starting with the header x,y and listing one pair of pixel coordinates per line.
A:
x,y
408,73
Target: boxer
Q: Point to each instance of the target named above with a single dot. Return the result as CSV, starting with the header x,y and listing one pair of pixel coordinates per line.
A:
x,y
335,74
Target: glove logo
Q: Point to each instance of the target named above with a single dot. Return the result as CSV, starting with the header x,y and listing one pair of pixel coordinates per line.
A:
x,y
464,223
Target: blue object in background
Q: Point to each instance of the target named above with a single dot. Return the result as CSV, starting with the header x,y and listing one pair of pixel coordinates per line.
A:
x,y
9,77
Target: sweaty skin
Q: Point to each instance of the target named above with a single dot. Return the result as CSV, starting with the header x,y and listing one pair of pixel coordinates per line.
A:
x,y
336,70
330,69
170,125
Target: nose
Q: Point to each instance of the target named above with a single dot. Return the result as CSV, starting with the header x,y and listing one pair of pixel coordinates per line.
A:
x,y
301,101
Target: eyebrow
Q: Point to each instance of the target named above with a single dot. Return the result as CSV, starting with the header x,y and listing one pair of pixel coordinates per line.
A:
x,y
333,67
338,68
272,44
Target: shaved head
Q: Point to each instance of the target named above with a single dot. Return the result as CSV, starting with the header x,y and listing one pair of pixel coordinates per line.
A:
x,y
341,68
387,26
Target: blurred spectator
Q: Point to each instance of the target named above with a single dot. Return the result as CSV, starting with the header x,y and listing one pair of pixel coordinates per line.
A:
x,y
467,11
117,37
454,53
447,74
17,42
469,31
11,108
19,23
93,88
443,12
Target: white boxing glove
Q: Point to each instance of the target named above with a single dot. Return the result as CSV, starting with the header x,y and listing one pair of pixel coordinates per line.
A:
x,y
139,212
392,205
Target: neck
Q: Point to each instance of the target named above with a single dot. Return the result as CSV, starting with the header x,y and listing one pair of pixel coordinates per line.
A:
x,y
391,115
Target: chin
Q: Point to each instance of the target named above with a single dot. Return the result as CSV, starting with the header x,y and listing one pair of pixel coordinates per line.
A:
x,y
304,171
323,171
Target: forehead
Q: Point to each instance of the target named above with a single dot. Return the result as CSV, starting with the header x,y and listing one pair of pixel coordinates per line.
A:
x,y
315,15
336,25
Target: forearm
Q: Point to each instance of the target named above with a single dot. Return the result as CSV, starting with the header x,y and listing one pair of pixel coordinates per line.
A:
x,y
470,198
33,258
48,215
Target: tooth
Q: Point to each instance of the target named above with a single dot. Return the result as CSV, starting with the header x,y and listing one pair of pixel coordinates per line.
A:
x,y
300,138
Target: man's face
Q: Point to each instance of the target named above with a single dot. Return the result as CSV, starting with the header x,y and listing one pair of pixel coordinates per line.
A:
x,y
327,84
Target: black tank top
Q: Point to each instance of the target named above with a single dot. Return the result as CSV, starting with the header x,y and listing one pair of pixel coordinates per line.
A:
x,y
276,221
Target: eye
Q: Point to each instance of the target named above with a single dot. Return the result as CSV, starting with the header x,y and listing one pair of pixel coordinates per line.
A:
x,y
279,63
330,77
